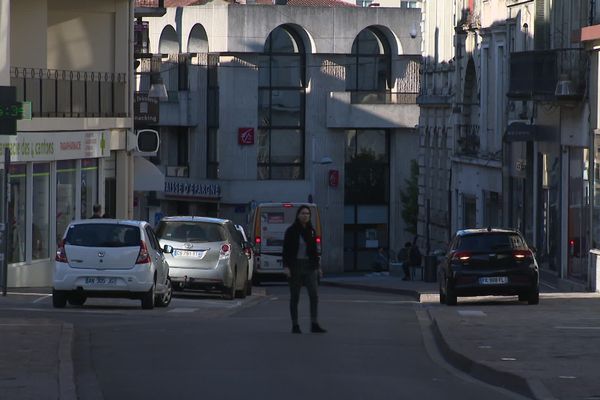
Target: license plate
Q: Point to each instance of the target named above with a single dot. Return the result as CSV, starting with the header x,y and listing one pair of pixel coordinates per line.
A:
x,y
493,280
188,253
99,280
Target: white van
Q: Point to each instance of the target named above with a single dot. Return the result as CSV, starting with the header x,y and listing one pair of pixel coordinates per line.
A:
x,y
268,224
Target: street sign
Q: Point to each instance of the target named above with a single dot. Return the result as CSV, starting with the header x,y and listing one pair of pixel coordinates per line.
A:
x,y
245,136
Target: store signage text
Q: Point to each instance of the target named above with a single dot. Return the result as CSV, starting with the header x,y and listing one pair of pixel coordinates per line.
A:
x,y
192,189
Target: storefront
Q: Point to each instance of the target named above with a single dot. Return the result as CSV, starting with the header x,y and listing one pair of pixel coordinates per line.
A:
x,y
53,179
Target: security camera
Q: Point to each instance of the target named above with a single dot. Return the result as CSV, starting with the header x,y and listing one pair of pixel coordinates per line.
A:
x,y
413,32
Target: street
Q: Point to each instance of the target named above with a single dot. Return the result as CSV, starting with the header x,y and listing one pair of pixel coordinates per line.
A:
x,y
205,347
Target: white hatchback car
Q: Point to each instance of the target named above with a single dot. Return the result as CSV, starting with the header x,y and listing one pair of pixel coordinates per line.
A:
x,y
110,258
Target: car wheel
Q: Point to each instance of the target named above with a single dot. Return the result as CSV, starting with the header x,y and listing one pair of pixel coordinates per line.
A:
x,y
451,298
442,295
76,299
59,299
534,297
229,293
164,299
248,288
523,296
148,298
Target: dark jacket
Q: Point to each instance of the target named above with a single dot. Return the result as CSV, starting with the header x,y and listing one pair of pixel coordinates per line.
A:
x,y
290,246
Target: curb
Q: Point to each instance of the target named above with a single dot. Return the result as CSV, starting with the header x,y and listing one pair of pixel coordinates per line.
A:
x,y
66,381
478,370
404,292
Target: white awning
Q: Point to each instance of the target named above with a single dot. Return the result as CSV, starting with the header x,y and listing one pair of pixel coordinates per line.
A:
x,y
146,176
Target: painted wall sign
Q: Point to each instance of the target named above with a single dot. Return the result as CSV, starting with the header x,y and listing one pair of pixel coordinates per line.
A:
x,y
245,136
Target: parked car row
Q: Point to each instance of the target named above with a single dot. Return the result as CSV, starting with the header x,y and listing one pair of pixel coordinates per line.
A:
x,y
128,259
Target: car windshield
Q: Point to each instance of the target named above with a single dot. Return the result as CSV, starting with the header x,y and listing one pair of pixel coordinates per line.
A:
x,y
489,242
103,235
190,231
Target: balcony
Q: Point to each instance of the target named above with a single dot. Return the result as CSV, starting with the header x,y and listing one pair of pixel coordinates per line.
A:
x,y
180,171
379,110
150,8
71,94
534,74
467,142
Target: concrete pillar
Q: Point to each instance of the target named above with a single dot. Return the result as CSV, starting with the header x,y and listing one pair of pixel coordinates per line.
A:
x,y
4,42
124,183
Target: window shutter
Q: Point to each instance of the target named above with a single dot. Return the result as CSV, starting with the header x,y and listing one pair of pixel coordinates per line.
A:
x,y
541,25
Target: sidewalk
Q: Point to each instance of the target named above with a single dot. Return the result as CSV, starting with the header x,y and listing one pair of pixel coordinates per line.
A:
x,y
36,363
547,351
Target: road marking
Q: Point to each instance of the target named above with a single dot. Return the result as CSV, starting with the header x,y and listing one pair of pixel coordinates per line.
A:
x,y
508,359
471,313
567,377
42,298
28,294
182,310
372,301
578,327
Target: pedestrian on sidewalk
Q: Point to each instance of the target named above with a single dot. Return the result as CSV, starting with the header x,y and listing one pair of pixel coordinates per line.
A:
x,y
414,255
97,209
403,258
301,263
381,261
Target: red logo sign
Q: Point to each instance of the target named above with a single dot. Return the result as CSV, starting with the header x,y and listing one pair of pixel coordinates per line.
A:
x,y
334,177
245,136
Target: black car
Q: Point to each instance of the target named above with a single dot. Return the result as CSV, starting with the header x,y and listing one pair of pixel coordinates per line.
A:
x,y
495,262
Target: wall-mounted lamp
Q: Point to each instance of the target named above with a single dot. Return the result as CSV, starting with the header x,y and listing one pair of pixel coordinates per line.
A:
x,y
158,89
413,32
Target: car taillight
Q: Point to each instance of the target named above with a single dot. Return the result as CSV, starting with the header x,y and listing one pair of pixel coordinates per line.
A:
x,y
318,240
462,256
143,256
61,254
225,249
521,254
248,252
257,242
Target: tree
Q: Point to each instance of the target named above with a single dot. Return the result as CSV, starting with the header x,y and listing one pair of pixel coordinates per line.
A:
x,y
410,198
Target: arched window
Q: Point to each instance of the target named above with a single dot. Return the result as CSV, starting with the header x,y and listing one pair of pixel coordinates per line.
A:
x,y
369,66
281,96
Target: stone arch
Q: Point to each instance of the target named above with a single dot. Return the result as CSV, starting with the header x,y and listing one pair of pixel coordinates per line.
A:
x,y
198,40
300,35
168,43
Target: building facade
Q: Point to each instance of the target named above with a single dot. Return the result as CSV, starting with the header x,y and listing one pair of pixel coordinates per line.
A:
x,y
278,103
71,61
521,141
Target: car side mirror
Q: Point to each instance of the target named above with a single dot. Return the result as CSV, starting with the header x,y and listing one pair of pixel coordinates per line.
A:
x,y
167,248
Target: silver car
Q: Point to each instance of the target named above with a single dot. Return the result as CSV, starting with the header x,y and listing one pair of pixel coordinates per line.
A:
x,y
207,254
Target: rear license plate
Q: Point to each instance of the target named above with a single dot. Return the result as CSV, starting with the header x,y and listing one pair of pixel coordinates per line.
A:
x,y
493,280
188,253
99,280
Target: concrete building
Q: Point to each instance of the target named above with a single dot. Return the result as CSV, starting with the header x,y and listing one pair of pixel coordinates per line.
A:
x,y
518,123
72,61
289,103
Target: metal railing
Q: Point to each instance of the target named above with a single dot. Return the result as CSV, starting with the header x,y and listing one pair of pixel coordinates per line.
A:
x,y
71,94
468,140
536,73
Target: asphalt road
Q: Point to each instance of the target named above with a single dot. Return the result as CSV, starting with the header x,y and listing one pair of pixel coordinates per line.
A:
x,y
207,348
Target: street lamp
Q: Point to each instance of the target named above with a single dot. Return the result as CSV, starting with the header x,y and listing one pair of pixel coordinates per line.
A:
x,y
158,89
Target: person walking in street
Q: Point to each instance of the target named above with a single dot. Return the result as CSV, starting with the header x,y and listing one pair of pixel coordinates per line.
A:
x,y
301,263
403,258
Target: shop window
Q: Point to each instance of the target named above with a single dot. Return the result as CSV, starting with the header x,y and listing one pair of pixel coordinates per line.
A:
x,y
89,186
40,227
16,212
65,195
